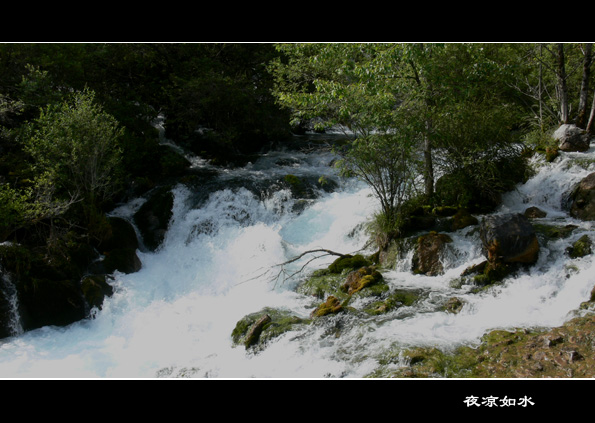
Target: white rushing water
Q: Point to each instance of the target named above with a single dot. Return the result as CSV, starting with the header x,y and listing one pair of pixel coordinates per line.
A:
x,y
174,317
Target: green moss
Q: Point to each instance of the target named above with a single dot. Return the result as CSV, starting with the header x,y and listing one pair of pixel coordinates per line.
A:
x,y
348,262
257,329
296,185
581,247
332,305
397,299
462,219
321,284
554,232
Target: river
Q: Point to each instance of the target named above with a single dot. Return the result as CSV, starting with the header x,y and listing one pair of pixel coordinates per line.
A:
x,y
174,317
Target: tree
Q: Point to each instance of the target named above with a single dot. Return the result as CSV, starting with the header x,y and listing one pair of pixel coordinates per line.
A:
x,y
75,143
403,102
356,86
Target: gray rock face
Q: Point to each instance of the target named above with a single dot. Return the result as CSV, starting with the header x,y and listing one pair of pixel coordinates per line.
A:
x,y
571,138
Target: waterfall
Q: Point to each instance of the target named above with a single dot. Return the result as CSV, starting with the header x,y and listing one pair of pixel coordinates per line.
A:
x,y
174,317
9,293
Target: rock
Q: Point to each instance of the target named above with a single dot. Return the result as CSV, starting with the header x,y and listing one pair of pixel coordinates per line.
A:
x,y
454,305
535,213
583,199
119,249
49,302
396,299
124,260
332,305
348,262
509,238
571,138
462,219
152,219
554,232
6,315
581,247
255,330
95,288
427,258
360,279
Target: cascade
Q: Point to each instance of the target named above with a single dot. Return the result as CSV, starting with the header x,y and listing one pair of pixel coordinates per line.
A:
x,y
9,295
174,317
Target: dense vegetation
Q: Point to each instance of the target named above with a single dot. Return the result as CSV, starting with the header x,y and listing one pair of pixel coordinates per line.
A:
x,y
465,111
431,125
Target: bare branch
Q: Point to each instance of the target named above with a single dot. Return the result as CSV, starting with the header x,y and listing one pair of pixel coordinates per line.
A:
x,y
283,271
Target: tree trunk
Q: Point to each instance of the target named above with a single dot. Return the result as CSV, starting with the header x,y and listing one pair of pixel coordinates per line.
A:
x,y
429,167
583,102
540,92
591,117
562,90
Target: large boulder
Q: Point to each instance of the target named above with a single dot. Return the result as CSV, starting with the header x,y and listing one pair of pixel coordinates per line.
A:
x,y
118,249
6,315
152,219
509,238
427,257
571,138
583,199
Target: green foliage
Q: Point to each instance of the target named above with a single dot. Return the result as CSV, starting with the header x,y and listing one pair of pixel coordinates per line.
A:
x,y
76,144
21,207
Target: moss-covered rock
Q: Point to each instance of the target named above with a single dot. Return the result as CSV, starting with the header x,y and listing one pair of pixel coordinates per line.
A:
x,y
454,305
563,352
255,330
362,278
552,232
462,219
332,305
396,299
581,247
348,262
323,283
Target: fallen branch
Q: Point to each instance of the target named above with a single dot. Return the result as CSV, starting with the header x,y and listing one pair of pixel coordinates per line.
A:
x,y
283,272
